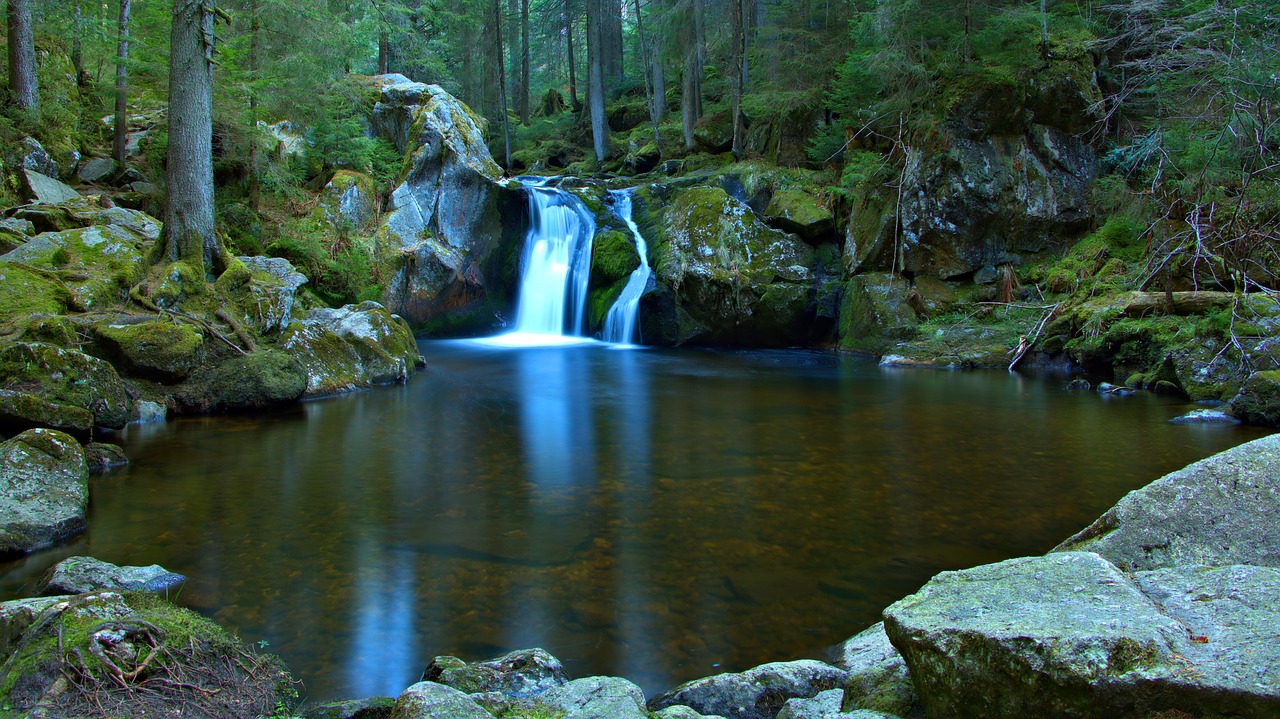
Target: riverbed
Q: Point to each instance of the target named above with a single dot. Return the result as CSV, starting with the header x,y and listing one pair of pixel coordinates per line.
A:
x,y
655,514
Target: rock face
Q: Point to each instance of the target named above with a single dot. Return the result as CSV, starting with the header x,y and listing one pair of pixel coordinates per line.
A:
x,y
519,674
353,346
58,375
724,277
1071,634
44,490
442,244
78,575
1218,511
758,693
349,201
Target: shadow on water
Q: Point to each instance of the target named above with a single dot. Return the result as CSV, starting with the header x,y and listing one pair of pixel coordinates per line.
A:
x,y
660,515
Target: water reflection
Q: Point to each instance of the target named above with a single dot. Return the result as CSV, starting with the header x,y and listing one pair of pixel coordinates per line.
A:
x,y
656,514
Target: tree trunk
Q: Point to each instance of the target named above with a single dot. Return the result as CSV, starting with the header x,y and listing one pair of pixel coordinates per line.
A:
x,y
22,57
77,37
255,190
188,214
737,18
691,90
611,39
384,51
648,87
568,36
502,84
1044,29
596,78
522,102
122,88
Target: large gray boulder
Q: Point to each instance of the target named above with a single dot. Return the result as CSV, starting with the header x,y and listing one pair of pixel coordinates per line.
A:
x,y
268,286
440,244
428,700
757,693
77,575
878,677
519,674
352,346
1221,510
45,190
44,490
596,698
1070,635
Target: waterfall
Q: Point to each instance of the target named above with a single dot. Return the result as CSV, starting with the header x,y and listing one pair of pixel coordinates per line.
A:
x,y
555,267
620,323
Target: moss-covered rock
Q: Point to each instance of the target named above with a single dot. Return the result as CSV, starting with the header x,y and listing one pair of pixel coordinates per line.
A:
x,y
350,347
98,262
1259,399
613,257
877,308
44,490
258,380
349,201
161,350
19,412
799,212
66,376
133,654
27,291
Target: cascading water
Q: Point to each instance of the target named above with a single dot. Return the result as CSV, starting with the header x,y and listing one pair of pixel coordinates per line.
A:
x,y
555,267
620,323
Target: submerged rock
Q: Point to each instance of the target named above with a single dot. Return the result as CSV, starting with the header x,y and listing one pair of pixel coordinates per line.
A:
x,y
757,693
1218,511
79,575
1206,416
520,674
44,490
1070,635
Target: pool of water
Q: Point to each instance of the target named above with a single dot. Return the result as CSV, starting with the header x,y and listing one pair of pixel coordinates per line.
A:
x,y
655,514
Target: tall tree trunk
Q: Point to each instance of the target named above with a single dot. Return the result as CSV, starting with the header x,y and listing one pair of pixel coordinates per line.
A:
x,y
611,40
648,87
737,19
691,89
659,87
502,84
384,50
188,214
522,102
1044,29
22,57
255,190
77,37
596,78
121,137
568,36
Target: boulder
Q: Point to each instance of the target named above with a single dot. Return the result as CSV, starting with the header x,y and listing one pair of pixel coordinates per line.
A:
x,y
29,154
757,693
596,698
44,490
147,412
79,575
124,651
1206,416
442,244
826,705
680,711
258,380
428,700
1070,635
95,169
1259,399
65,376
371,708
877,308
79,212
799,212
352,346
108,259
160,350
17,616
1218,511
40,188
263,291
878,678
349,201
102,457
723,276
19,412
520,674
31,291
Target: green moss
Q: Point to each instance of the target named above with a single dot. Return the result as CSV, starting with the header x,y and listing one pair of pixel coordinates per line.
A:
x,y
255,381
161,350
67,377
1129,655
613,257
24,291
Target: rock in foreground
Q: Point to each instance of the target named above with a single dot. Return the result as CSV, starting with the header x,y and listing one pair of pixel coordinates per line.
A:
x,y
44,490
757,693
79,575
520,674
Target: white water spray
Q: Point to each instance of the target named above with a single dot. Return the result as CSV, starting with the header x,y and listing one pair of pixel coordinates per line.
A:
x,y
620,323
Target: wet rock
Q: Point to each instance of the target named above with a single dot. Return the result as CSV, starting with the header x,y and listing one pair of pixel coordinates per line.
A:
x,y
826,705
519,674
596,698
757,693
1079,385
161,350
96,169
65,376
19,412
878,678
1206,416
1070,635
1259,399
1217,511
258,380
102,457
264,289
799,212
147,412
428,700
44,490
41,188
78,575
877,308
371,708
352,346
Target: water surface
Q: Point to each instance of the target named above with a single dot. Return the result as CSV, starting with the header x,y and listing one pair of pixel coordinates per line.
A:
x,y
660,515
